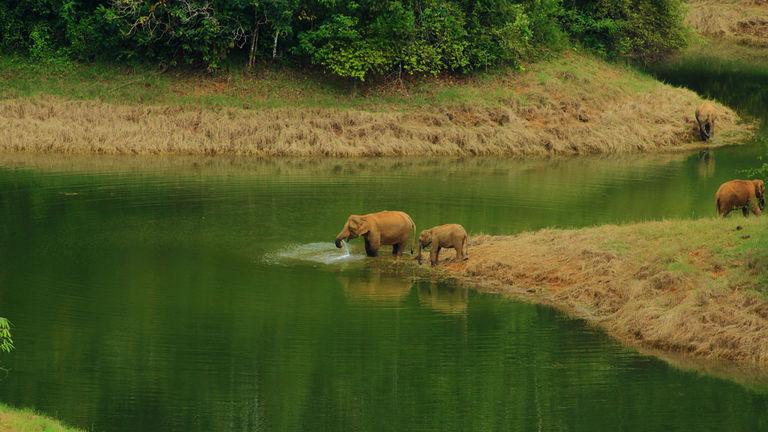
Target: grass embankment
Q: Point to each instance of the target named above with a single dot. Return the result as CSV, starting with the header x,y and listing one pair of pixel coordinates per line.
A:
x,y
18,420
572,105
693,287
743,22
733,32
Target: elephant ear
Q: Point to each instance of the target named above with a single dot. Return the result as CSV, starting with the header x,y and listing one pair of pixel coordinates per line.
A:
x,y
353,220
364,225
759,188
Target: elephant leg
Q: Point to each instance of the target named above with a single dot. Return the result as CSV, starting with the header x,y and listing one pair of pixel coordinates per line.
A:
x,y
370,250
434,255
744,211
459,252
397,249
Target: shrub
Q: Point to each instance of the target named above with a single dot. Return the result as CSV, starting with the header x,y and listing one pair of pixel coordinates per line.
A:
x,y
353,39
641,30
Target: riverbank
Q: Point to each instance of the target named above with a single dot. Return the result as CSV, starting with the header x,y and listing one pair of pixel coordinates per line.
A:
x,y
573,105
741,22
24,420
689,287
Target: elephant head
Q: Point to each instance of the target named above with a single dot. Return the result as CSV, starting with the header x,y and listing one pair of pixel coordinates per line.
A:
x,y
356,226
425,239
760,193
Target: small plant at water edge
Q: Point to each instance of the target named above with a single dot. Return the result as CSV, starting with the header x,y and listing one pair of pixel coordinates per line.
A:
x,y
6,342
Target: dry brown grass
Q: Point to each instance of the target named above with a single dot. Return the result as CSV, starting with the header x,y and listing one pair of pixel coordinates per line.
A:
x,y
741,21
572,106
692,287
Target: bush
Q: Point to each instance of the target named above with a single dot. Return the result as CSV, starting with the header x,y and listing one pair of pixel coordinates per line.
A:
x,y
353,39
641,30
339,47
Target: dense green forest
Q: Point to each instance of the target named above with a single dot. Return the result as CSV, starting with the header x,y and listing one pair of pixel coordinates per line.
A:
x,y
354,39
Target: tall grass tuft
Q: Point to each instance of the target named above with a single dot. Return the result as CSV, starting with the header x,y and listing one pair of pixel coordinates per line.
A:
x,y
6,342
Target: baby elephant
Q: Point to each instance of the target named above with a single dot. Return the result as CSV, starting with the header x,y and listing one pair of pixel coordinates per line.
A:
x,y
443,236
741,194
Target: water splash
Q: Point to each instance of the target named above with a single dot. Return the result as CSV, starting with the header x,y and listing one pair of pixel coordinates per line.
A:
x,y
345,247
324,253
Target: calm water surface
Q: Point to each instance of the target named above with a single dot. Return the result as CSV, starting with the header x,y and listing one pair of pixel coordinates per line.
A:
x,y
208,296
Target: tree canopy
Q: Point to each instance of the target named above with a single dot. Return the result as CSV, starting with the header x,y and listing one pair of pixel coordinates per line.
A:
x,y
356,39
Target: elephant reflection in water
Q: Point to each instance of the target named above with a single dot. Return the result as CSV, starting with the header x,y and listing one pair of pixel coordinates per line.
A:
x,y
377,287
706,164
448,299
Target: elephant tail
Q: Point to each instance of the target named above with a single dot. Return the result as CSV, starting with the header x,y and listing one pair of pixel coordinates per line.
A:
x,y
411,228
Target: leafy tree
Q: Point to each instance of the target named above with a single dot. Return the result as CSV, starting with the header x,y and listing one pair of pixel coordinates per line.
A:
x,y
500,31
339,46
174,32
642,30
352,39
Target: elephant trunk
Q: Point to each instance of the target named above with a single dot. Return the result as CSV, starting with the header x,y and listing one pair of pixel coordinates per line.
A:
x,y
418,253
343,235
703,129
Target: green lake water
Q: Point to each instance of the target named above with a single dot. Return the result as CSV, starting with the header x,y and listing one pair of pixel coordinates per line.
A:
x,y
208,296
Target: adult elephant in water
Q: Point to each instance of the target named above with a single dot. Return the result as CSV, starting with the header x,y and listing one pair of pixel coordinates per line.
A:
x,y
741,194
378,229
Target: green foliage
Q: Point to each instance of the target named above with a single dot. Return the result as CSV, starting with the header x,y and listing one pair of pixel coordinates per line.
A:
x,y
6,342
641,30
354,40
760,172
340,48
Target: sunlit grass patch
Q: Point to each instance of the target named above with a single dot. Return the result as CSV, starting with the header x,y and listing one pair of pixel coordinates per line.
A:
x,y
25,420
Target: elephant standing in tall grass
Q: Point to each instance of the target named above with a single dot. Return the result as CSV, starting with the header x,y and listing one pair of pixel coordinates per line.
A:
x,y
706,114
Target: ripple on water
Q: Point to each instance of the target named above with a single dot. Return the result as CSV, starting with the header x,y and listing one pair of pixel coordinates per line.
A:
x,y
319,252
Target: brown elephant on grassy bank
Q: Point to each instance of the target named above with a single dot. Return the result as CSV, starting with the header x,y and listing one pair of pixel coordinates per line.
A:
x,y
706,114
382,228
744,194
443,236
